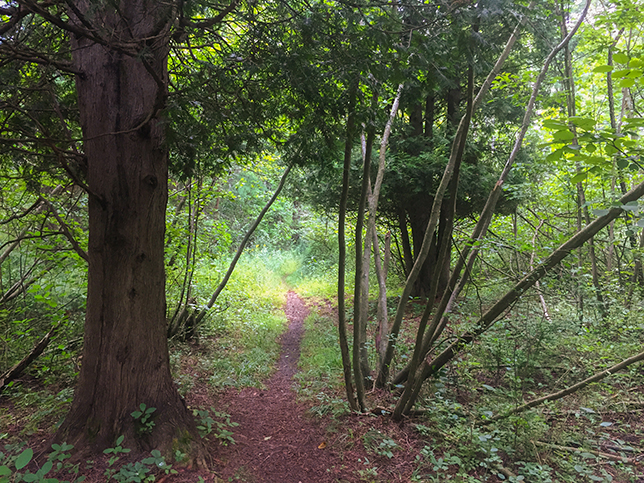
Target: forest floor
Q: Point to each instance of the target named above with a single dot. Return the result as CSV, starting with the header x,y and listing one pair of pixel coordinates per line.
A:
x,y
278,433
276,437
277,441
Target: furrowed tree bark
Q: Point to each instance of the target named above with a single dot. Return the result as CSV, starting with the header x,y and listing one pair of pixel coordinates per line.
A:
x,y
125,357
490,316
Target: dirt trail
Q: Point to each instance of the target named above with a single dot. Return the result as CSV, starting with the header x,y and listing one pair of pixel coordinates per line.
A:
x,y
275,440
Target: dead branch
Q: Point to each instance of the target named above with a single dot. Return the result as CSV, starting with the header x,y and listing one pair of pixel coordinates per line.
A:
x,y
65,229
38,349
621,459
565,392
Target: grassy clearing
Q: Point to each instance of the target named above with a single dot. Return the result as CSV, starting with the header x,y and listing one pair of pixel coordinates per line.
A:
x,y
320,377
239,344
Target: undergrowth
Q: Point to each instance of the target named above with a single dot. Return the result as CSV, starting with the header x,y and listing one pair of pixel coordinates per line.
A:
x,y
522,357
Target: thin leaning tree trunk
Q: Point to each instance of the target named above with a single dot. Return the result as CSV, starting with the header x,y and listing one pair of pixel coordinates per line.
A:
x,y
371,197
342,251
38,349
470,252
383,373
488,319
361,369
382,268
241,247
404,400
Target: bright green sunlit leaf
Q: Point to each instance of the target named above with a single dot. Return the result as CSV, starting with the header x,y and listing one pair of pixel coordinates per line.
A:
x,y
621,58
579,177
601,69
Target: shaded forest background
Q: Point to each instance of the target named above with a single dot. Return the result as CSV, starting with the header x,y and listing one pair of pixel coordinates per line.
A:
x,y
461,181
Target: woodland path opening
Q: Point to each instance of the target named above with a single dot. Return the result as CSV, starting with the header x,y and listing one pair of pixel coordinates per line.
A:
x,y
275,440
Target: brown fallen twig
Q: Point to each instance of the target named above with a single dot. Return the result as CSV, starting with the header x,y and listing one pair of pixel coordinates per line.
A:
x,y
565,392
612,457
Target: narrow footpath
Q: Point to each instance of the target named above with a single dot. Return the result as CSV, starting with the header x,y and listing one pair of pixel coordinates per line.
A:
x,y
275,440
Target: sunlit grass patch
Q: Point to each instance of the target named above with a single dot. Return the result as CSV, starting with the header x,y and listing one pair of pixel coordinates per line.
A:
x,y
320,376
244,329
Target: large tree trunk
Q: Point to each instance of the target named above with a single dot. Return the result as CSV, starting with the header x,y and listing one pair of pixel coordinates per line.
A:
x,y
125,359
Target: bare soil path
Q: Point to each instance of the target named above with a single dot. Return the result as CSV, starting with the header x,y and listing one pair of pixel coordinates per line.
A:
x,y
275,440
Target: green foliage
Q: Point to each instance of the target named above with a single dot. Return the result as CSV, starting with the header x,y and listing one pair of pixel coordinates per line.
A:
x,y
321,366
242,328
48,473
206,424
379,444
115,451
145,470
143,417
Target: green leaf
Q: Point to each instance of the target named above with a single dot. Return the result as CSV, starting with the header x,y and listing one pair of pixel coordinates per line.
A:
x,y
120,440
630,206
563,135
600,212
621,73
579,177
629,143
623,163
640,223
4,471
554,156
24,458
583,122
629,82
621,58
554,124
46,468
595,160
596,170
601,69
